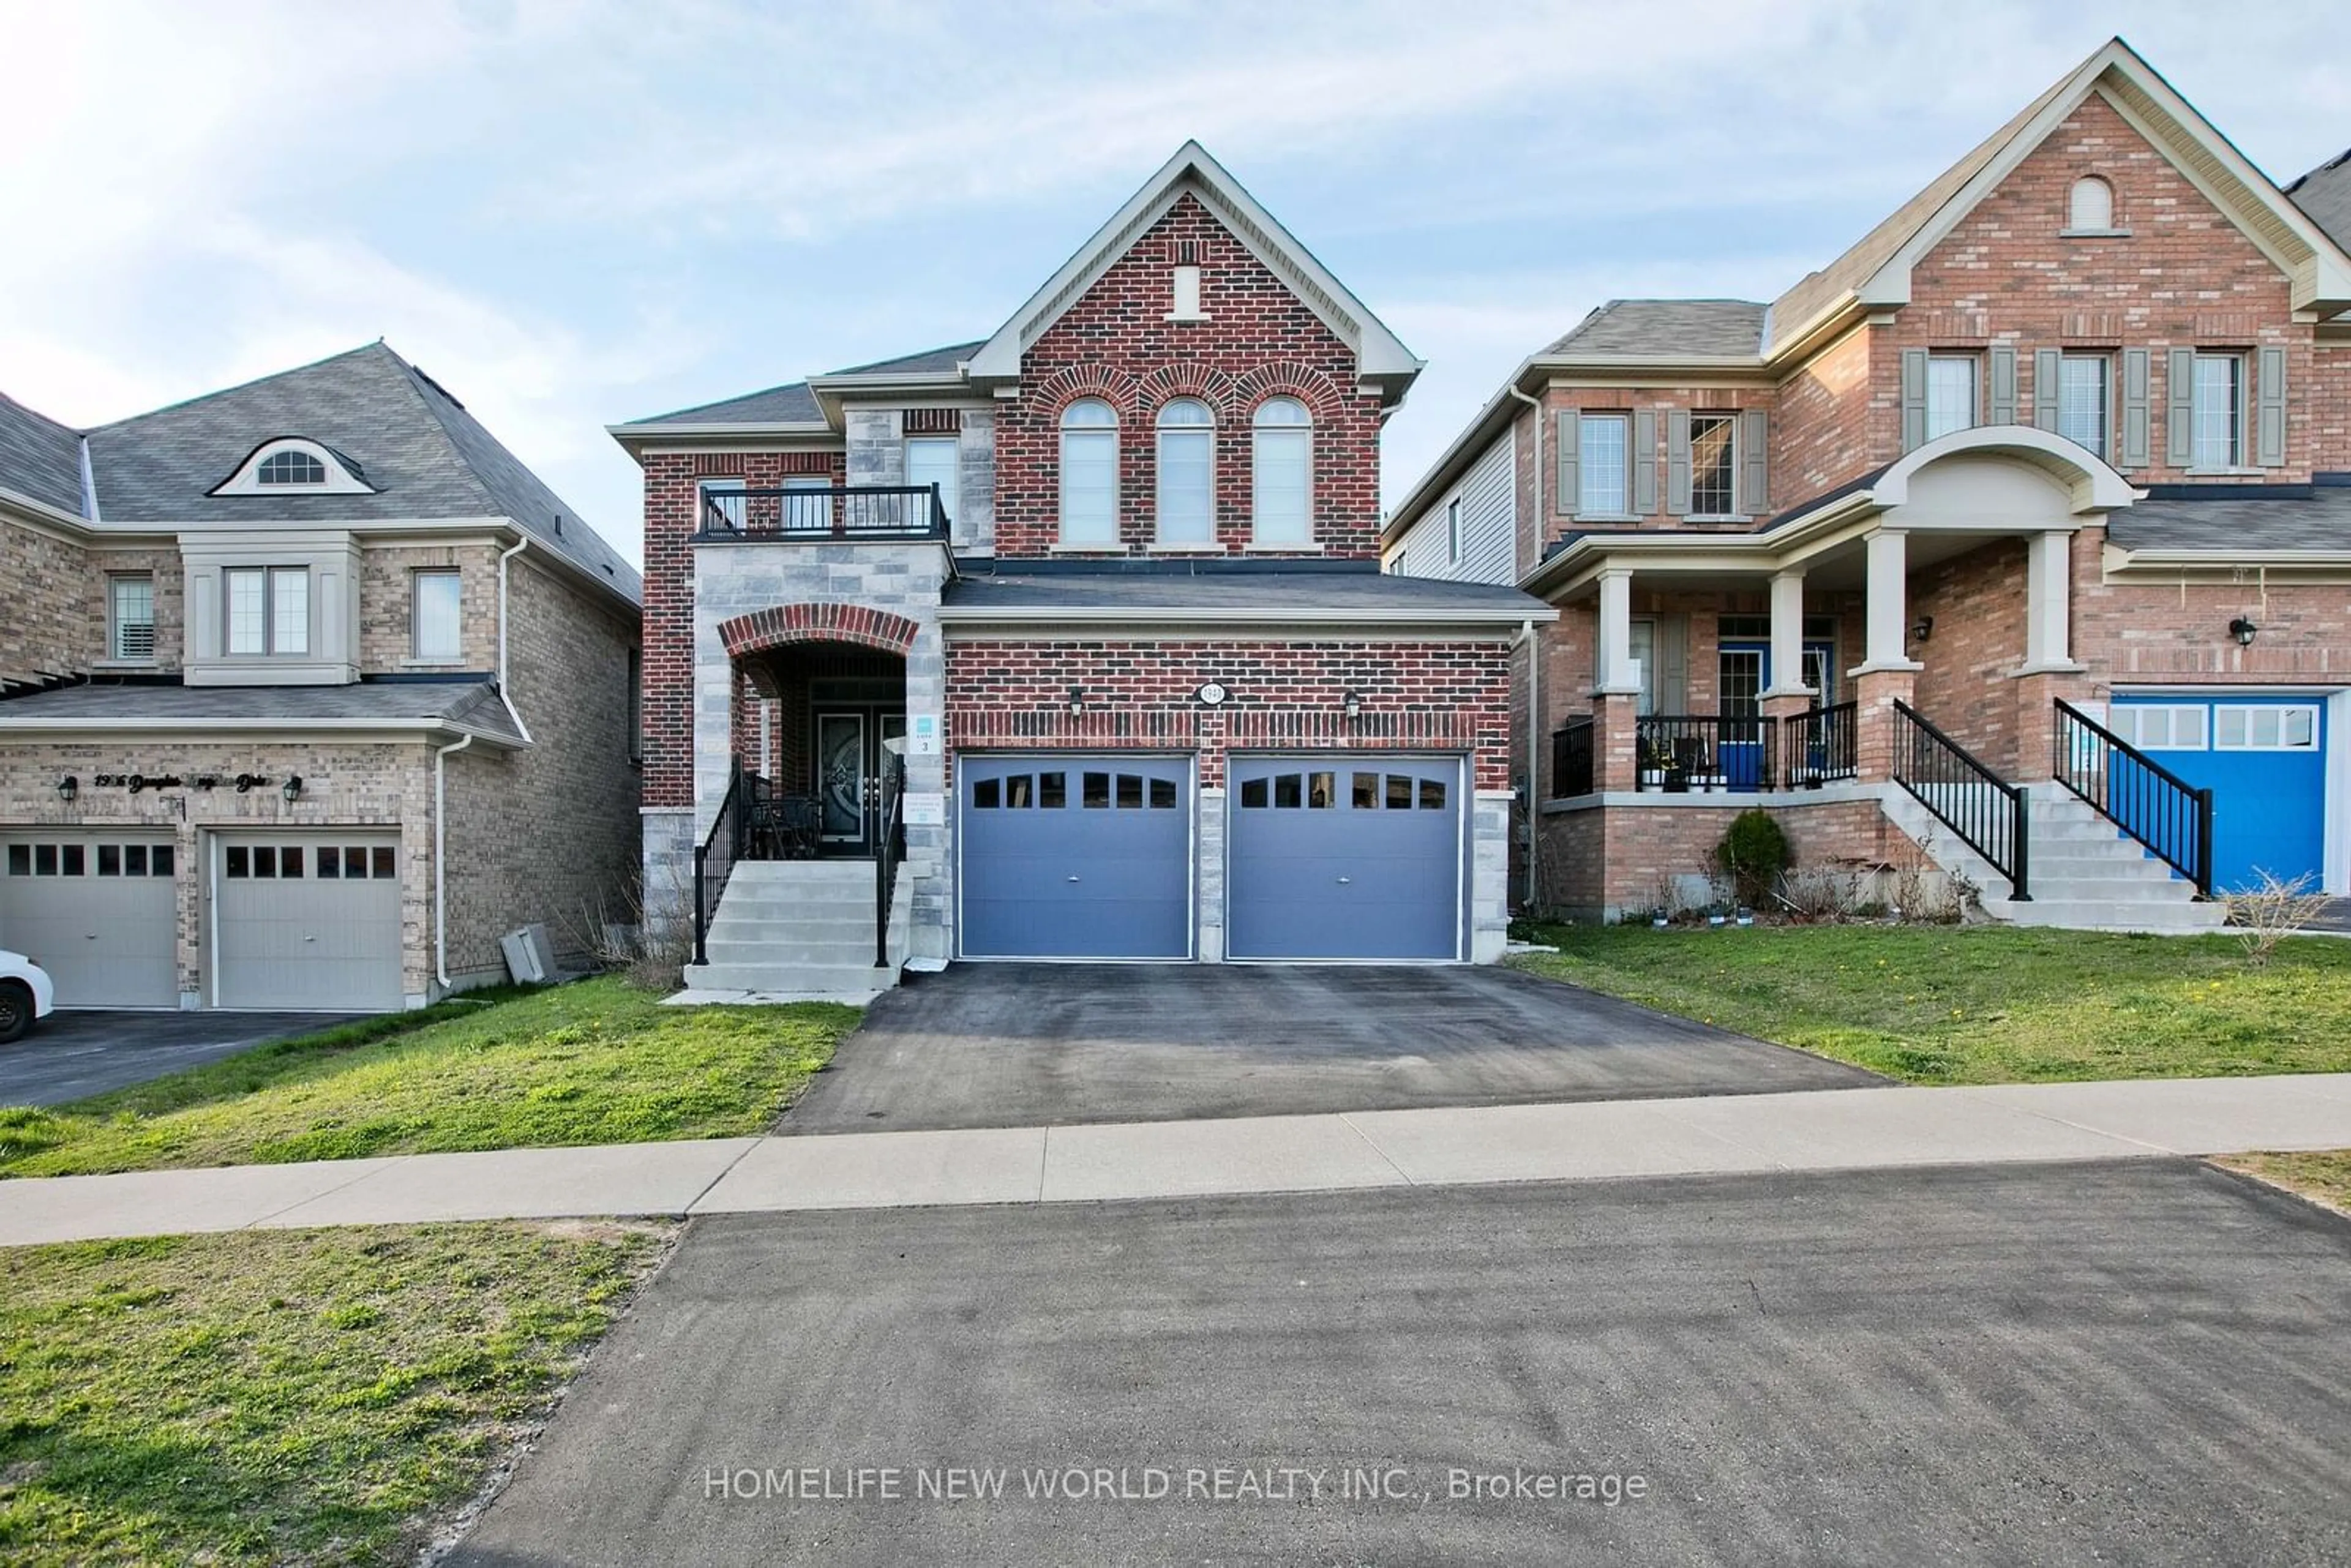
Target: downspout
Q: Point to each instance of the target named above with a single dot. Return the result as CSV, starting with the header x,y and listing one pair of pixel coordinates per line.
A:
x,y
504,695
1526,636
440,859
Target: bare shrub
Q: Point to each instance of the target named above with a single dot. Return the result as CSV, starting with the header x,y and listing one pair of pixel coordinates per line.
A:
x,y
1821,894
2272,910
648,949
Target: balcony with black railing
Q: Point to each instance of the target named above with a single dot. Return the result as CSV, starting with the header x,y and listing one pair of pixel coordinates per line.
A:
x,y
1706,753
825,514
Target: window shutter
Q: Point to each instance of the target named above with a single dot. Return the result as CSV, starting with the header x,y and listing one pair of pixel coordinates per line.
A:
x,y
1644,461
1678,462
2135,409
2269,428
1569,496
1914,399
2179,406
1755,463
2003,384
1672,649
2045,377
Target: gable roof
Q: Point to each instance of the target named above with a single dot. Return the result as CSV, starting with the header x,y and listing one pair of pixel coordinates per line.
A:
x,y
39,457
424,454
1680,328
929,362
1380,356
2325,194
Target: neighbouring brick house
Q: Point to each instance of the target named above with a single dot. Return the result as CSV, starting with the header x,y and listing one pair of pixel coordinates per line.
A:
x,y
2007,532
308,692
1108,582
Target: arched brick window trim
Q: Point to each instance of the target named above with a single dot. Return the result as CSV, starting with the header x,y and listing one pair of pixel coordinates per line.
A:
x,y
1188,378
1115,387
783,623
1304,383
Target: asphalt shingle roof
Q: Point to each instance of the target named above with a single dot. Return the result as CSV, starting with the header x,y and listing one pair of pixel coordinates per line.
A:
x,y
2320,521
39,457
470,705
795,404
2324,193
945,359
1177,591
1668,326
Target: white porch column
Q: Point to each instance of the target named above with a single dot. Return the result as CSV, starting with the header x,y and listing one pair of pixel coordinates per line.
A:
x,y
1889,603
1788,636
2049,600
1613,662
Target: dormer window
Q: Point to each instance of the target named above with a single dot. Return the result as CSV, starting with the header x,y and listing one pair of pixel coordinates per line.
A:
x,y
295,465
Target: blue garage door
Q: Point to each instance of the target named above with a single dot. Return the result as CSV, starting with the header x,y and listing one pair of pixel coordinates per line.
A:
x,y
2264,759
1076,857
1345,857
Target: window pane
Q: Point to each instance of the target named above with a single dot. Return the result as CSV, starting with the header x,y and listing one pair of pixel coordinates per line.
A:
x,y
265,860
75,861
1017,795
134,861
1286,791
932,460
1095,791
1367,792
726,497
385,866
133,618
1599,466
1089,486
236,862
2082,401
20,859
1185,510
1277,510
1399,792
985,794
2228,729
1322,790
290,612
1432,794
810,510
331,862
1130,791
247,616
159,860
2214,409
1950,394
2300,727
289,861
110,859
1252,797
1163,794
45,860
1713,465
1052,791
437,596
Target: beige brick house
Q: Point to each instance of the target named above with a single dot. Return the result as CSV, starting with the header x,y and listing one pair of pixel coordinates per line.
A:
x,y
2021,530
308,691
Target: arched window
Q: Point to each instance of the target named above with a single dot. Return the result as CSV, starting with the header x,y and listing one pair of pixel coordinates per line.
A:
x,y
1089,473
2092,207
1187,451
1284,460
291,467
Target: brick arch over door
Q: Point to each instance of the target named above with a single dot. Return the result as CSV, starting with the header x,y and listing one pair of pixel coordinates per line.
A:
x,y
781,623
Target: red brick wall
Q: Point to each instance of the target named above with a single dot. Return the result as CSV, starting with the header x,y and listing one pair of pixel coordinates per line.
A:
x,y
2156,631
2328,396
1115,343
1832,424
1978,601
1433,697
1619,857
670,521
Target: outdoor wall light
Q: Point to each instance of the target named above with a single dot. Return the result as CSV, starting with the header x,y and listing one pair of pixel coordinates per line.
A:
x,y
291,789
1922,628
2243,630
1077,700
1353,704
68,788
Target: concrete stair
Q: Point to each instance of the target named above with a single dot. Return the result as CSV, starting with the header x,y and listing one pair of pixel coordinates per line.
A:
x,y
2086,875
801,928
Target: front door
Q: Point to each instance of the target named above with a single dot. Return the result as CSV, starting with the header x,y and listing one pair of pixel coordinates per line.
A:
x,y
1744,674
850,749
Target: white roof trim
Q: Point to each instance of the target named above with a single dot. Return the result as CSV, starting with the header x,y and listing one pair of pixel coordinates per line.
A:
x,y
1379,354
11,724
1293,615
2320,271
656,432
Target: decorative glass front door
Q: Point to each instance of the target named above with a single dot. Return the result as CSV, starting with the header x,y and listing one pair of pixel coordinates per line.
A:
x,y
842,769
1745,670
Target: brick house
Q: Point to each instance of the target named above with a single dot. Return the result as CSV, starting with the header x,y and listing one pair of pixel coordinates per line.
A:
x,y
1100,593
308,691
2010,531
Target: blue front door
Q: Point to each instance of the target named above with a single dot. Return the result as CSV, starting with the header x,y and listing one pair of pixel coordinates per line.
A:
x,y
2264,759
1075,856
1743,676
1345,857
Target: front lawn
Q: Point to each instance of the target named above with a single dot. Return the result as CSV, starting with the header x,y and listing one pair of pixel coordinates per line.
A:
x,y
1982,1004
591,1063
284,1396
2323,1176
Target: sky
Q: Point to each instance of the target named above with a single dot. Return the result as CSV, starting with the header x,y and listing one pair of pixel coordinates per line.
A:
x,y
573,214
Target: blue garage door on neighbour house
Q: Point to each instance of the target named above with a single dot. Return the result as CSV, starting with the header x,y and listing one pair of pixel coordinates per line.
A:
x,y
2264,759
1075,856
1345,857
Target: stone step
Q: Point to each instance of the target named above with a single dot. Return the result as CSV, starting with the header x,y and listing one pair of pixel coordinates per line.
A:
x,y
798,911
2107,917
727,948
803,873
821,979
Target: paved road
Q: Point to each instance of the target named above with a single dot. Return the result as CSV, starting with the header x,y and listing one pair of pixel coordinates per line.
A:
x,y
70,1055
2103,1363
1015,1045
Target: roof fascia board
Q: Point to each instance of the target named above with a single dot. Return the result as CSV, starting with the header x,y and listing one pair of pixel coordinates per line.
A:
x,y
210,727
736,431
1029,615
1657,364
1832,326
829,391
54,520
2121,559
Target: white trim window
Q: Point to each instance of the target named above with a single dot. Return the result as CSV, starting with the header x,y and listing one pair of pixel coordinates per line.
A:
x,y
2084,410
1604,468
268,610
1188,473
1281,462
2157,726
1952,397
1089,473
435,596
131,618
2216,410
808,505
2247,727
1714,464
728,494
936,460
294,465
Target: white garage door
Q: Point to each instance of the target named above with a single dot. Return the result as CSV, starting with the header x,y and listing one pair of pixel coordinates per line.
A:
x,y
309,923
98,910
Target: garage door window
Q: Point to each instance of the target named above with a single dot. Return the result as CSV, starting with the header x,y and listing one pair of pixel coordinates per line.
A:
x,y
115,860
338,863
2160,728
2264,728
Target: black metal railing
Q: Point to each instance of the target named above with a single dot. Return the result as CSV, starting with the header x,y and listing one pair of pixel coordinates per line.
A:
x,y
1820,746
2134,792
1571,759
714,858
1681,753
827,514
887,852
1990,815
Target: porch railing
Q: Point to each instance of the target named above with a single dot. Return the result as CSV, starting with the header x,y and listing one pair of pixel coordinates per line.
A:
x,y
715,857
887,852
821,514
1572,771
2172,818
1991,816
1820,746
1679,753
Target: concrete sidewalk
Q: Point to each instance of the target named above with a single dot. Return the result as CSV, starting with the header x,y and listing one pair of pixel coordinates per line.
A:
x,y
1813,1130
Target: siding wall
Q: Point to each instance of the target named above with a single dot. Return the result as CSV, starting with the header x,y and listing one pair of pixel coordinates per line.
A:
x,y
1489,496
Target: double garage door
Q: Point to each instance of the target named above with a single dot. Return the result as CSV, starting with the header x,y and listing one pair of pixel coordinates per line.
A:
x,y
2264,758
1326,857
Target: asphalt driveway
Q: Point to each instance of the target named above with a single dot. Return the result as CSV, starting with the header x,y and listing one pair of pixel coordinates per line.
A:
x,y
70,1055
2148,1362
1024,1045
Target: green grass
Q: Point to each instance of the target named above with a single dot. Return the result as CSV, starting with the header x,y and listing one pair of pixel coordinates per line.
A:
x,y
2323,1177
1982,1005
592,1062
274,1396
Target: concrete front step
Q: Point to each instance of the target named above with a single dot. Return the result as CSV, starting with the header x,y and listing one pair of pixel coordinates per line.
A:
x,y
803,873
2106,916
726,948
785,978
